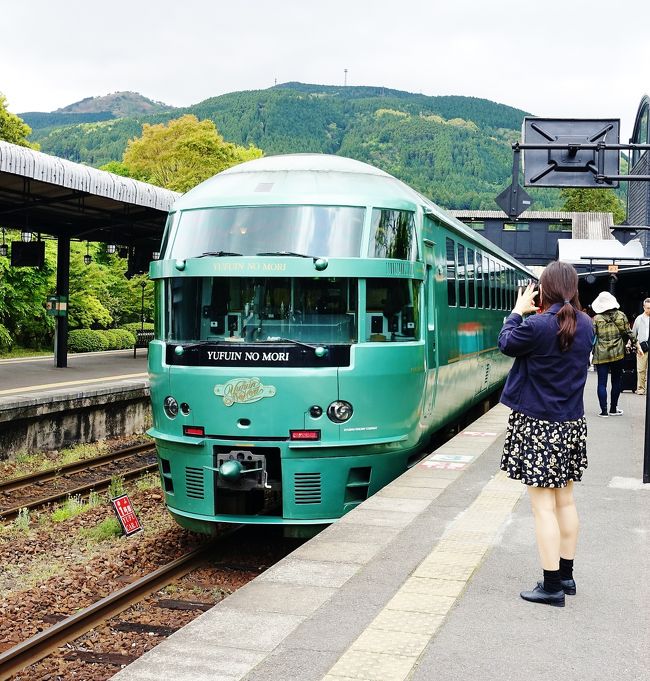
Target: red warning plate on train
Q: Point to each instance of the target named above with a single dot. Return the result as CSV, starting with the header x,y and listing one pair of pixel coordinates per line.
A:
x,y
126,515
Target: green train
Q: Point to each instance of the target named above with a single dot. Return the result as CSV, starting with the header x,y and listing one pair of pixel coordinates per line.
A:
x,y
317,320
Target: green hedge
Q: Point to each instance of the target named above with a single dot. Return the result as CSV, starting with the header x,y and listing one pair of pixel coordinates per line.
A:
x,y
86,340
119,339
136,326
6,342
89,340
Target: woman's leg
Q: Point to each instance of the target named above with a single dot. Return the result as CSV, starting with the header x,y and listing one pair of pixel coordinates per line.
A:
x,y
547,529
602,370
567,520
617,383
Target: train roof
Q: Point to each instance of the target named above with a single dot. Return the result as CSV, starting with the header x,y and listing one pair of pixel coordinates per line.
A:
x,y
318,179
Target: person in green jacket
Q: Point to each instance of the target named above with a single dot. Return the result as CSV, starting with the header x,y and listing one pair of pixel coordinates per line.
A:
x,y
612,332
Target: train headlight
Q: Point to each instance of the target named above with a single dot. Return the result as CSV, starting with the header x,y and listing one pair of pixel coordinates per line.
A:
x,y
170,405
339,411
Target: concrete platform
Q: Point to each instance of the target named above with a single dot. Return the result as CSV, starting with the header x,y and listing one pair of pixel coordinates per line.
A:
x,y
99,395
422,581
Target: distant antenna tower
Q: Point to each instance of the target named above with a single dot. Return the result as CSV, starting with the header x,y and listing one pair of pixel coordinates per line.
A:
x,y
345,76
275,81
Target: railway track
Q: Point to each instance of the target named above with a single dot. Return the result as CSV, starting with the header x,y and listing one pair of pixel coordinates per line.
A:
x,y
46,642
53,474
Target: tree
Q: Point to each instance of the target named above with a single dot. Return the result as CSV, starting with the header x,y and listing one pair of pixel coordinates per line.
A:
x,y
12,128
182,153
594,201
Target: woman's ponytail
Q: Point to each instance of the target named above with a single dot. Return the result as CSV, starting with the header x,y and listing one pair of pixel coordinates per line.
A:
x,y
559,284
566,318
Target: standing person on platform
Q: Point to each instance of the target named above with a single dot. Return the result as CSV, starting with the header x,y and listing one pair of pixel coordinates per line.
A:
x,y
641,331
612,333
546,440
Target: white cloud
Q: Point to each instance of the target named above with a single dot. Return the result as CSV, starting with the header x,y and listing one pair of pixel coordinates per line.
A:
x,y
558,58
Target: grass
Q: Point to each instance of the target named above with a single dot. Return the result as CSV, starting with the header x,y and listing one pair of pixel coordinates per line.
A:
x,y
148,481
109,528
25,462
70,508
24,352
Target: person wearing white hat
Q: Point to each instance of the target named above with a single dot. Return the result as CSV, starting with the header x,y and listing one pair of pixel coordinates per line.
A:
x,y
612,332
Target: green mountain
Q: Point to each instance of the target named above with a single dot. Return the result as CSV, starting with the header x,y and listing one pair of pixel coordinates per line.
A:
x,y
455,150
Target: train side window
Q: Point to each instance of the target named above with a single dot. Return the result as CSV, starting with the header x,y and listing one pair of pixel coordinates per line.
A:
x,y
502,284
479,279
513,277
493,297
392,235
471,287
462,277
486,282
451,272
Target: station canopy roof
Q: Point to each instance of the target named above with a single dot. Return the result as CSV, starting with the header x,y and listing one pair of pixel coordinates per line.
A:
x,y
47,194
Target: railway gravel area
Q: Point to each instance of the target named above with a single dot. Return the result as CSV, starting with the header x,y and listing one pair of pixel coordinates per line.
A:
x,y
52,566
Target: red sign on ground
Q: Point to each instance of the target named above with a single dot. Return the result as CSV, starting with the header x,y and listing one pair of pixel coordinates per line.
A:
x,y
126,515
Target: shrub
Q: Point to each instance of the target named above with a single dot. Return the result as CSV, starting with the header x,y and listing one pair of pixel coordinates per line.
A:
x,y
136,326
120,339
124,339
6,342
87,340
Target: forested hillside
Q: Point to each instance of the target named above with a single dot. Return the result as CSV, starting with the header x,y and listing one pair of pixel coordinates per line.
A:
x,y
455,150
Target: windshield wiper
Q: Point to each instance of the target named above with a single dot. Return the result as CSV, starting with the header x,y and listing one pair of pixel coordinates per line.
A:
x,y
277,339
289,253
216,254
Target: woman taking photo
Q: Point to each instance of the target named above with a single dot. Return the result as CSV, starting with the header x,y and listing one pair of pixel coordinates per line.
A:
x,y
545,443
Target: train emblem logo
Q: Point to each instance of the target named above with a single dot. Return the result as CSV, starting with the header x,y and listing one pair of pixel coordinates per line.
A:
x,y
243,391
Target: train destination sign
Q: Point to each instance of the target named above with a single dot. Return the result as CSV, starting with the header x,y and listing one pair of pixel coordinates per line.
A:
x,y
279,354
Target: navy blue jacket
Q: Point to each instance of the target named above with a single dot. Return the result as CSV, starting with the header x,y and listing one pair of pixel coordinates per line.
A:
x,y
545,382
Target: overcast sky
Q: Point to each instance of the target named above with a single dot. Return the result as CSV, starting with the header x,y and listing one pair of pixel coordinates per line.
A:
x,y
560,58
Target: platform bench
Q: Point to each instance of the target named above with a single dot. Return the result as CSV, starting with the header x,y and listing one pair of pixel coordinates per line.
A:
x,y
142,340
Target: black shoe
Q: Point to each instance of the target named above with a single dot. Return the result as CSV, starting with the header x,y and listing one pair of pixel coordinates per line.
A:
x,y
568,585
539,595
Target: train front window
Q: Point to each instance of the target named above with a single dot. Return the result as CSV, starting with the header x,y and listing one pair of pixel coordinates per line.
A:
x,y
333,231
392,310
392,235
261,309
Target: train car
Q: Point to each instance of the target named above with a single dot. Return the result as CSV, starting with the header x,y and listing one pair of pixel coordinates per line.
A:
x,y
317,321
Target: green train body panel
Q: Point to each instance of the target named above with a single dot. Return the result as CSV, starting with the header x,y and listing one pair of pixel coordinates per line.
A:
x,y
346,299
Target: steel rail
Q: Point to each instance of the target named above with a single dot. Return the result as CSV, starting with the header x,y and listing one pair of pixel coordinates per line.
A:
x,y
82,490
83,464
42,644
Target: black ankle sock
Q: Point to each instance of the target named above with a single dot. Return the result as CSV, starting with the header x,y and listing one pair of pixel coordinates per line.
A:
x,y
552,581
566,568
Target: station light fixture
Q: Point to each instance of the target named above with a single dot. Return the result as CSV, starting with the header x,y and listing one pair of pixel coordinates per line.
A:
x,y
155,255
4,249
26,236
111,248
87,258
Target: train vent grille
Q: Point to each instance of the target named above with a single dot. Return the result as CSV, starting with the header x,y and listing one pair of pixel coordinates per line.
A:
x,y
307,488
194,483
396,268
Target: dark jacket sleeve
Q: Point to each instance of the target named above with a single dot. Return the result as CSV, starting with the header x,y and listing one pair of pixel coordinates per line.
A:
x,y
516,337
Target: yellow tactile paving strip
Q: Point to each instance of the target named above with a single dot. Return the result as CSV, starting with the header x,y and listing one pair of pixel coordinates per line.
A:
x,y
390,646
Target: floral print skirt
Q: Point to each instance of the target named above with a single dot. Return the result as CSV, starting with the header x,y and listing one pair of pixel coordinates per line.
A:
x,y
544,453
